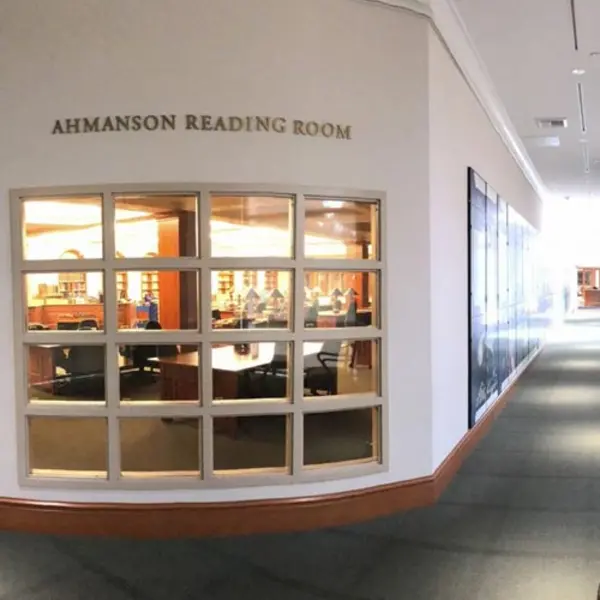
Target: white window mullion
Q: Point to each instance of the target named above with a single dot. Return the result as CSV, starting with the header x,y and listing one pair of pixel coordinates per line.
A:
x,y
207,447
81,265
297,371
114,447
297,406
205,432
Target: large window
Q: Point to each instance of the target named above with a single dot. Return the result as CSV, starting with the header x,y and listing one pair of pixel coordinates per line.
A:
x,y
198,335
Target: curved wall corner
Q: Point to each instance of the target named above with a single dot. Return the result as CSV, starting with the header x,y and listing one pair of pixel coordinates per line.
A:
x,y
189,519
344,62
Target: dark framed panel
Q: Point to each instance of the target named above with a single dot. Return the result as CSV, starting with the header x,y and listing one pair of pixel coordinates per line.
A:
x,y
510,294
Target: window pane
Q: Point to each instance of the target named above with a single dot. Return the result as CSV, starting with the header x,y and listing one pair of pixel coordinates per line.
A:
x,y
245,226
60,373
340,298
159,447
159,373
337,228
68,446
151,300
247,371
65,301
245,443
62,228
341,436
336,367
155,225
251,299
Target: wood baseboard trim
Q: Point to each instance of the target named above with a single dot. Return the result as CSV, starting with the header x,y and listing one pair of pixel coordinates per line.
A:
x,y
182,520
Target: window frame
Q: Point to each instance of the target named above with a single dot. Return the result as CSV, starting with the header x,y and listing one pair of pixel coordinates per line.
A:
x,y
110,338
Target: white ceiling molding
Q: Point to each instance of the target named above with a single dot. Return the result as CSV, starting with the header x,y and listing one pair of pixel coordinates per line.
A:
x,y
416,6
446,19
453,31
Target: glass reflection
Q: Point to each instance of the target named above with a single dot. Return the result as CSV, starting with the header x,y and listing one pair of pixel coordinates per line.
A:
x,y
341,436
337,228
68,446
341,367
251,299
340,299
246,371
159,373
249,443
60,373
246,226
155,300
154,446
155,225
70,301
62,228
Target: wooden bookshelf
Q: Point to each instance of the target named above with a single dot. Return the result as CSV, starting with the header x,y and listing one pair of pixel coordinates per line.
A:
x,y
250,279
150,283
122,286
224,282
72,284
271,280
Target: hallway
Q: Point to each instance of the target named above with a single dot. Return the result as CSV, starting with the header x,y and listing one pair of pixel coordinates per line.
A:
x,y
521,521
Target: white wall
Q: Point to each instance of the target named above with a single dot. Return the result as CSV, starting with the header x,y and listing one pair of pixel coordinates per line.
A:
x,y
460,136
347,62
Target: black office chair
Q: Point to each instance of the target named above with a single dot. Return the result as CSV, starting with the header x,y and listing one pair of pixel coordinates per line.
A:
x,y
88,324
321,371
270,380
84,375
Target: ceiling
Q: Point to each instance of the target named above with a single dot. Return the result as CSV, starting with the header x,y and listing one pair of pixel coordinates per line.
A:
x,y
530,49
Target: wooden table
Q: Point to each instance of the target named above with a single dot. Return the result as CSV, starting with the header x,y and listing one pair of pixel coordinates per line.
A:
x,y
179,374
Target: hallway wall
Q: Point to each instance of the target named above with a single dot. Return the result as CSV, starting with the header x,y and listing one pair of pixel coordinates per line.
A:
x,y
460,135
347,62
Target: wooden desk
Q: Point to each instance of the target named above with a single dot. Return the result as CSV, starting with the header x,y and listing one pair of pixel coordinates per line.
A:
x,y
329,318
591,297
179,374
51,314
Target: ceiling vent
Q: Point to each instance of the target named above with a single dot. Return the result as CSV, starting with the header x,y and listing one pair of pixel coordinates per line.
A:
x,y
542,141
556,123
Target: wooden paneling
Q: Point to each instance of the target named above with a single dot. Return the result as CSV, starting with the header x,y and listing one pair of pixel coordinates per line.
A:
x,y
41,367
591,298
178,300
168,281
51,314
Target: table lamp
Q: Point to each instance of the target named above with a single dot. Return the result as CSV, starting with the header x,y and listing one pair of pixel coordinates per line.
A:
x,y
335,295
276,296
251,297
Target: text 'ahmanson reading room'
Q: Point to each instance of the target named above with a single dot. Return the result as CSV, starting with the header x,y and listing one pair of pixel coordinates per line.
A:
x,y
191,122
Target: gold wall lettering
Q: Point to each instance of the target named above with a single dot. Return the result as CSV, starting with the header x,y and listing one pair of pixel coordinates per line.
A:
x,y
212,123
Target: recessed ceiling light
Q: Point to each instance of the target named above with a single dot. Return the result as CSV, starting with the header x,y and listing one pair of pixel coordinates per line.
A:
x,y
578,71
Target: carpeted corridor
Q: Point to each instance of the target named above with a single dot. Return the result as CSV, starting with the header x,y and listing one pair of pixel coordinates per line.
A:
x,y
521,521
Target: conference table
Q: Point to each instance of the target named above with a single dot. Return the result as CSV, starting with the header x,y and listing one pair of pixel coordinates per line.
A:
x,y
179,373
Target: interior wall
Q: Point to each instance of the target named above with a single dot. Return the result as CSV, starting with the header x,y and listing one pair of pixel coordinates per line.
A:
x,y
346,62
460,136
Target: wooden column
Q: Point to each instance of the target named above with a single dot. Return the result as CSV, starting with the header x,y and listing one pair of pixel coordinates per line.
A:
x,y
178,301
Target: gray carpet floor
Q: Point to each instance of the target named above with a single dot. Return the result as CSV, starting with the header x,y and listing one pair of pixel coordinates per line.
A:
x,y
521,521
